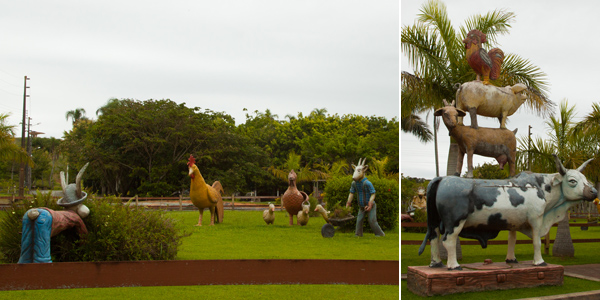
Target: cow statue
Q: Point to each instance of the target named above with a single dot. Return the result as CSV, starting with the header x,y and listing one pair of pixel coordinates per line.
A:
x,y
478,209
498,143
490,101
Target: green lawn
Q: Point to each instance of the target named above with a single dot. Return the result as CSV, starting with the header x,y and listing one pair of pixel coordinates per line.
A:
x,y
244,235
585,253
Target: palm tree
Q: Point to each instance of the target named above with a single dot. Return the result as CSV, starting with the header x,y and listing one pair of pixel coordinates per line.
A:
x,y
590,128
304,174
76,115
9,150
572,147
436,51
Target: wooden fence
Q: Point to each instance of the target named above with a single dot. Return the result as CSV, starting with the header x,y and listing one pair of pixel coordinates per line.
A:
x,y
168,203
585,211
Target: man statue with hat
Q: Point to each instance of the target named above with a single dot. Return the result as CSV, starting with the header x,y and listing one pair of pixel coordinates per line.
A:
x,y
40,224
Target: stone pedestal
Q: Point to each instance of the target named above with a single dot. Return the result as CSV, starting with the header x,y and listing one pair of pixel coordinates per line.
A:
x,y
426,281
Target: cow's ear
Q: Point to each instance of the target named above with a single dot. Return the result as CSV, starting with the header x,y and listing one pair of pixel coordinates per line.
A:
x,y
353,167
557,179
365,168
438,112
461,113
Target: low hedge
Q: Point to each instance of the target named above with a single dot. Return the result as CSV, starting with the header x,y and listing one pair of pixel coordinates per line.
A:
x,y
387,198
116,232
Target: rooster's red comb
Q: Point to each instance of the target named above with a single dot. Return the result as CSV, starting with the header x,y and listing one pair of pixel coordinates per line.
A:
x,y
191,161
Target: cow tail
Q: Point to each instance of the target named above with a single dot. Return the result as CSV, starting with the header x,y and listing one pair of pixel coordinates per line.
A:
x,y
433,218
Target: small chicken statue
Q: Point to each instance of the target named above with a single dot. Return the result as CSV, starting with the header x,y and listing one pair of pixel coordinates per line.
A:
x,y
303,214
292,198
268,214
205,196
485,64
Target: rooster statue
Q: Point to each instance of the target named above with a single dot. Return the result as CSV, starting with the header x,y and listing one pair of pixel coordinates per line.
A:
x,y
205,196
485,64
292,198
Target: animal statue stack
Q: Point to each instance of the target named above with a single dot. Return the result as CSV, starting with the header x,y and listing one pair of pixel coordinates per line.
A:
x,y
292,198
478,209
269,214
40,224
205,196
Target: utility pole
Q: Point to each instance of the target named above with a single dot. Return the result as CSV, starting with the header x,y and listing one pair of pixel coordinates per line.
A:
x,y
28,169
22,169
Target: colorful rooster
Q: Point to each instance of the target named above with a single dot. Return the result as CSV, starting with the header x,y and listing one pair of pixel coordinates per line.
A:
x,y
485,64
205,196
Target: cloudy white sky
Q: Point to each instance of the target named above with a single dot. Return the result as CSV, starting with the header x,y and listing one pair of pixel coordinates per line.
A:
x,y
557,36
286,56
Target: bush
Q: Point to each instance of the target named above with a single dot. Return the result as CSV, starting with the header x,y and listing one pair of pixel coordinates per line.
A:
x,y
387,199
115,233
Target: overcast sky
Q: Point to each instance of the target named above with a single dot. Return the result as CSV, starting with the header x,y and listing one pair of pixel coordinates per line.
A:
x,y
557,36
286,56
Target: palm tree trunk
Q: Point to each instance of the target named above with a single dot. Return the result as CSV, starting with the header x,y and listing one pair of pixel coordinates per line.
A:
x,y
452,158
563,245
437,164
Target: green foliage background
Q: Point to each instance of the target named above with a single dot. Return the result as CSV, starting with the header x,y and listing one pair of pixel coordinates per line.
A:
x,y
338,189
115,233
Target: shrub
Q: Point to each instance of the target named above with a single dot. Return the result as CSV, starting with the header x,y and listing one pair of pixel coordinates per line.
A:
x,y
115,233
387,199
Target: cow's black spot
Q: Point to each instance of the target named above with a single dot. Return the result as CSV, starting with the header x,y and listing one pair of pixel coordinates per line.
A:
x,y
481,196
515,198
495,221
548,188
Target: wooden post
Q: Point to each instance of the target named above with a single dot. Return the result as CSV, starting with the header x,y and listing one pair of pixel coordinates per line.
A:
x,y
547,243
180,202
136,200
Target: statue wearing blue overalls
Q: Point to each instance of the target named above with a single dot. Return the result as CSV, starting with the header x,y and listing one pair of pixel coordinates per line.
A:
x,y
40,224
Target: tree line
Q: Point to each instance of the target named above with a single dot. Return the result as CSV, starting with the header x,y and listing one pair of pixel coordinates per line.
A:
x,y
142,147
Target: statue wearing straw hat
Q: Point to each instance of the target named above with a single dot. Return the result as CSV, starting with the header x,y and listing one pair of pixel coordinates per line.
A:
x,y
40,224
365,193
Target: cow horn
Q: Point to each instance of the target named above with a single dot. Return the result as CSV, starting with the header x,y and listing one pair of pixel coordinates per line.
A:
x,y
583,165
78,181
63,182
445,102
559,165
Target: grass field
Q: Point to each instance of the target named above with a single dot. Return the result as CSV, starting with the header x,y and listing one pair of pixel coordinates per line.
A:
x,y
244,235
585,253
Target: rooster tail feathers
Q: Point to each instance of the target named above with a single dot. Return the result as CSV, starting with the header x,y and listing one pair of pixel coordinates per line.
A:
x,y
497,57
217,186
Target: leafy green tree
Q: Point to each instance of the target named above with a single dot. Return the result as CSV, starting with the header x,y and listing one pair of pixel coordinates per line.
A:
x,y
436,51
142,147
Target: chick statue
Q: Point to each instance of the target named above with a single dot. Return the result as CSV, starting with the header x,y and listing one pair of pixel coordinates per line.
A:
x,y
269,215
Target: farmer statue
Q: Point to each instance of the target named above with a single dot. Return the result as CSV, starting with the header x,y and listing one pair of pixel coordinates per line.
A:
x,y
40,224
366,199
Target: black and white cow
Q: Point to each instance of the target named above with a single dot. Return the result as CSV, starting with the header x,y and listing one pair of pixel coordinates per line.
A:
x,y
478,209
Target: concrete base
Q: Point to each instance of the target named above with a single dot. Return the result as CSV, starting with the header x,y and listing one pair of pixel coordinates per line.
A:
x,y
426,281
